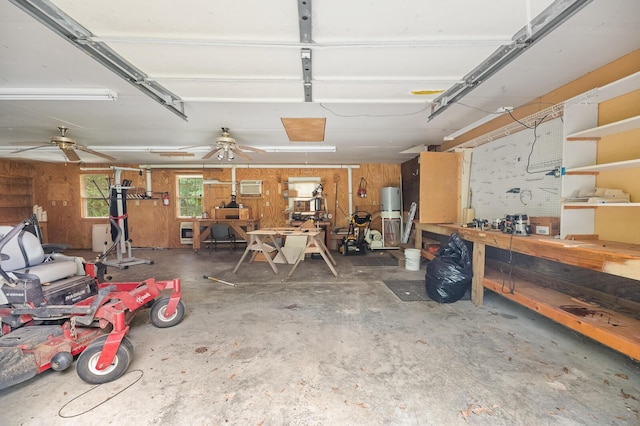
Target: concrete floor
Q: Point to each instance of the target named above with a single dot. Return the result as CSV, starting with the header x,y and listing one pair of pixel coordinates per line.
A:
x,y
319,350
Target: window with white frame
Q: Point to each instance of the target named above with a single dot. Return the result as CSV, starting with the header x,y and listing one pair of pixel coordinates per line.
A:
x,y
189,195
94,192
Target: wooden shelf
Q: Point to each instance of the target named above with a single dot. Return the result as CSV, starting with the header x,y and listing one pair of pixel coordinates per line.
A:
x,y
595,205
618,165
607,327
608,129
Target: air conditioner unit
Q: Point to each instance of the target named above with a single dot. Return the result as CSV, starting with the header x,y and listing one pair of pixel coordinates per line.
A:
x,y
250,187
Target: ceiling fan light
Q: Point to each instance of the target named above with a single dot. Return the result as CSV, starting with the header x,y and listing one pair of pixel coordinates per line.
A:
x,y
220,155
230,155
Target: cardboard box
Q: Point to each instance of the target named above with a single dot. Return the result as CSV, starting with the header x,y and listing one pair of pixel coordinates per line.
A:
x,y
243,213
545,225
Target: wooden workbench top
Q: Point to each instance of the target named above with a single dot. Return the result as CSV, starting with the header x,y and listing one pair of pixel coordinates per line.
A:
x,y
615,258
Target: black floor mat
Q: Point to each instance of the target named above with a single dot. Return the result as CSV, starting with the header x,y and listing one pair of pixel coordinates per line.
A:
x,y
408,291
374,259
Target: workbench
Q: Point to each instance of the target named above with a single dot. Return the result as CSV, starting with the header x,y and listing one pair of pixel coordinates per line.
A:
x,y
610,328
265,241
240,227
320,224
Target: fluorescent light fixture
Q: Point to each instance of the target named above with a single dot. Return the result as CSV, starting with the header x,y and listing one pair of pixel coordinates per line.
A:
x,y
475,124
301,148
56,94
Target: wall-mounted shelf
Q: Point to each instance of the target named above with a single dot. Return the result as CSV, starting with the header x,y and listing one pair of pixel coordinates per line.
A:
x,y
595,133
618,165
594,205
582,138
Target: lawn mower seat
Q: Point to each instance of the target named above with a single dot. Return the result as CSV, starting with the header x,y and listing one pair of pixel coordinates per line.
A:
x,y
26,256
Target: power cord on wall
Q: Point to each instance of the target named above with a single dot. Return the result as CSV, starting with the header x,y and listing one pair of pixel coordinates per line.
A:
x,y
510,281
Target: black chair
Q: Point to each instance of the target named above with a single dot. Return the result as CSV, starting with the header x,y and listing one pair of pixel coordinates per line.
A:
x,y
222,233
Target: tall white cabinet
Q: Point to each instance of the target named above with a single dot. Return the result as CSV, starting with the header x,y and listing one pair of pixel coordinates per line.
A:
x,y
580,168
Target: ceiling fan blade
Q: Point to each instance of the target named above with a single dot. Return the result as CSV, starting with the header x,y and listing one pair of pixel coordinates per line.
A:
x,y
192,146
173,153
70,154
29,149
210,153
241,154
27,143
251,148
90,151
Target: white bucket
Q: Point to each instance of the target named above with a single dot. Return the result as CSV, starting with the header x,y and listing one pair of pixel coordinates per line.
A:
x,y
412,259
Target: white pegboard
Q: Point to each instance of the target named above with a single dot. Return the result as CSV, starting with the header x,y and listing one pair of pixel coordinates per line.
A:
x,y
509,175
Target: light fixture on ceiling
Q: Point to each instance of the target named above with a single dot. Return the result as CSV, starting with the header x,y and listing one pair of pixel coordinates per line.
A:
x,y
558,12
302,148
56,94
478,123
62,24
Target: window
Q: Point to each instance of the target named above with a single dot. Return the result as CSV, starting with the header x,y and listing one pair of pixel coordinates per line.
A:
x,y
93,188
189,196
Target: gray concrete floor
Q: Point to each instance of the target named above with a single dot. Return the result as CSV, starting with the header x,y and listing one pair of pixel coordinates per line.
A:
x,y
319,350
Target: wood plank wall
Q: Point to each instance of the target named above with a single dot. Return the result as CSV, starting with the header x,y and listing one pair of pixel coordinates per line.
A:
x,y
56,187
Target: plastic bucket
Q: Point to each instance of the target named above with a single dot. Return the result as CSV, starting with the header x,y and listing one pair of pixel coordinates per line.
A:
x,y
412,259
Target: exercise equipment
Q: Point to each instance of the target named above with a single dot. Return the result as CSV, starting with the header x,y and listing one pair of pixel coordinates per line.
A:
x,y
118,211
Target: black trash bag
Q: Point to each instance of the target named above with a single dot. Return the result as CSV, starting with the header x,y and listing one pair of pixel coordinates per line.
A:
x,y
449,274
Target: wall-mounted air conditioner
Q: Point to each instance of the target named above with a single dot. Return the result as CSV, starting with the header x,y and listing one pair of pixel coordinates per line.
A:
x,y
250,187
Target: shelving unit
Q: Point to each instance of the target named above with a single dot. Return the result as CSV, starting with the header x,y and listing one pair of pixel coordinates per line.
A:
x,y
16,199
581,136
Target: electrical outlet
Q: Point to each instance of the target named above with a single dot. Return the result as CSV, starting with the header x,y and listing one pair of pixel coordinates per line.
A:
x,y
266,204
505,109
155,202
53,203
137,202
64,203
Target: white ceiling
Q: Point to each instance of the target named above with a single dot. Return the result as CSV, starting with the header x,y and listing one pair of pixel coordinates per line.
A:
x,y
238,65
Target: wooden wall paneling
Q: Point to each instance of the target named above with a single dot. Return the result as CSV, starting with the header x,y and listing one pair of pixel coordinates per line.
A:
x,y
153,225
440,174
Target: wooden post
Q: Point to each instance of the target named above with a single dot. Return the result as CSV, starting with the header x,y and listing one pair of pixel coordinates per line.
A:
x,y
477,288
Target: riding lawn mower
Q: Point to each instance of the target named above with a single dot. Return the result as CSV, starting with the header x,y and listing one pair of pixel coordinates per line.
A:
x,y
54,308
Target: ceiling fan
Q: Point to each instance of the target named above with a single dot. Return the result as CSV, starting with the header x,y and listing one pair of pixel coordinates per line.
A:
x,y
226,147
67,145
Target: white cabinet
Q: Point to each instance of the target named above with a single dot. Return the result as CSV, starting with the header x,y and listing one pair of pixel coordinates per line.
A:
x,y
580,169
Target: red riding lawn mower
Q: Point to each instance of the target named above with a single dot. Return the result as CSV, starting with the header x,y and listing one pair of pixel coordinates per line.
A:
x,y
55,307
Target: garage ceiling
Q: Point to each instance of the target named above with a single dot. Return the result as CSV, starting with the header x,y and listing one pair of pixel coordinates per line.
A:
x,y
361,67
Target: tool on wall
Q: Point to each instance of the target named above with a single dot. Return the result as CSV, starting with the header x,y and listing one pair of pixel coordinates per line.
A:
x,y
362,188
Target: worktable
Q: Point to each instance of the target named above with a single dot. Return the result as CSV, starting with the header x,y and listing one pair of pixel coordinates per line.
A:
x,y
239,227
320,224
265,241
608,327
